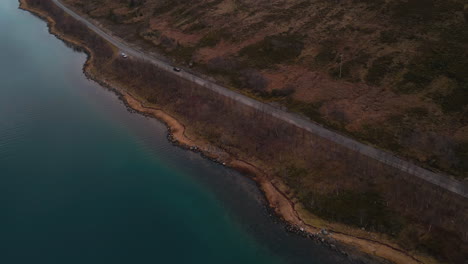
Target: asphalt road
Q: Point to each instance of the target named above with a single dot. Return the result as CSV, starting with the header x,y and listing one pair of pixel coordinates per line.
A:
x,y
439,179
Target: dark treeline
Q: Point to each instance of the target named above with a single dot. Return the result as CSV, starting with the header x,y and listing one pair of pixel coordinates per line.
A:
x,y
330,181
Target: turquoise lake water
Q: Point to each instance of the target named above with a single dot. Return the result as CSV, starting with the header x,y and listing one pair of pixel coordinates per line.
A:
x,y
83,180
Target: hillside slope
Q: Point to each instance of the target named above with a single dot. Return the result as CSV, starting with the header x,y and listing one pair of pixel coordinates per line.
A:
x,y
403,83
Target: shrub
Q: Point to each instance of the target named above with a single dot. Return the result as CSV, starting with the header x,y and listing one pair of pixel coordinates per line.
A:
x,y
326,54
361,209
440,58
213,38
456,101
183,53
381,136
310,110
253,80
379,69
413,10
273,50
282,92
389,36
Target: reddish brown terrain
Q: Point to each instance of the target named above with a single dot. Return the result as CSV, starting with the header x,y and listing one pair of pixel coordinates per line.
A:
x,y
403,84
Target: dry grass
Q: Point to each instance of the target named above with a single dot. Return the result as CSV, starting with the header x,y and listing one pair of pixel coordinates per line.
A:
x,y
386,63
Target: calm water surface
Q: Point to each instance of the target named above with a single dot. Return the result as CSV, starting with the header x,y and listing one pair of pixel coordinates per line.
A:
x,y
82,180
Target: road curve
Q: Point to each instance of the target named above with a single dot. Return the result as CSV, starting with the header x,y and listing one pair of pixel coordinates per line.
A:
x,y
438,179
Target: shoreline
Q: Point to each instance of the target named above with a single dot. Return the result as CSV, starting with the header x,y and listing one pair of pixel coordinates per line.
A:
x,y
277,199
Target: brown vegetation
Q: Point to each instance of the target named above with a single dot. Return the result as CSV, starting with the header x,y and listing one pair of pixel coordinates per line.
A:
x,y
349,64
328,180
